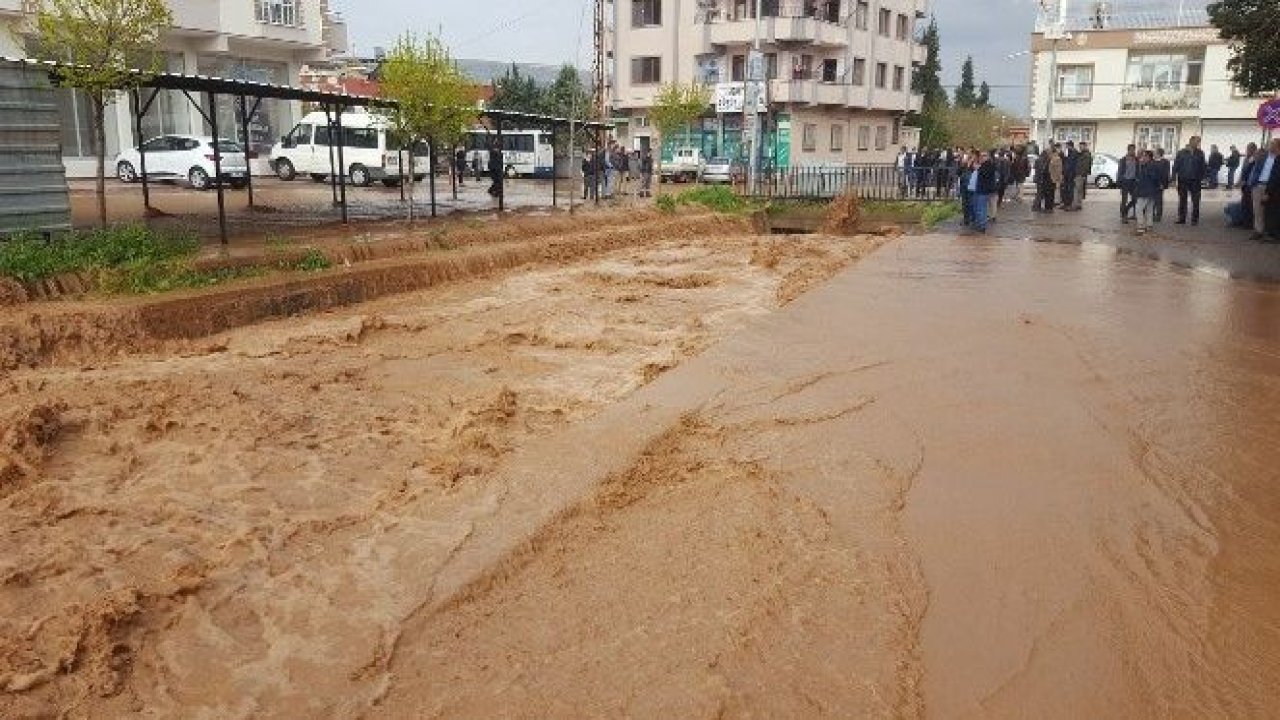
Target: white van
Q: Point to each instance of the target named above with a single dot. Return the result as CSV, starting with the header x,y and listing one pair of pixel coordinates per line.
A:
x,y
366,151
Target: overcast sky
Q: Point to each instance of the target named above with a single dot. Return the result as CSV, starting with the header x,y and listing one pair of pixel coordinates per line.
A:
x,y
558,31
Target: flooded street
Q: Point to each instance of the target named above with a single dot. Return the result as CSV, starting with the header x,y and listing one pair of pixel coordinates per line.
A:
x,y
734,476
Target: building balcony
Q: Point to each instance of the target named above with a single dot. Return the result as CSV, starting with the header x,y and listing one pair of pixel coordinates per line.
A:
x,y
787,21
1176,100
807,92
195,17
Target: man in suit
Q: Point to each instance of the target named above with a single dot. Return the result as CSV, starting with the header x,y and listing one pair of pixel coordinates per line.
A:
x,y
1165,170
1127,178
1266,195
1069,158
1189,170
1084,168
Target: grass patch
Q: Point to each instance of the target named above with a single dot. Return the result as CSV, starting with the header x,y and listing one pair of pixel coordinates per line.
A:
x,y
30,257
718,198
137,260
937,213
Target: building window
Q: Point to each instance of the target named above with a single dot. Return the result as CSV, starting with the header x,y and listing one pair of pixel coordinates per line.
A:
x,y
897,131
1075,133
803,68
899,77
830,70
1075,82
646,70
277,12
860,14
771,66
837,137
904,27
809,141
1164,72
642,121
882,74
738,71
864,137
1162,135
882,137
646,13
886,21
708,69
859,71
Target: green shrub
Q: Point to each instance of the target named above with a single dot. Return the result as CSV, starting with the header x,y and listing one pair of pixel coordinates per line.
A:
x,y
936,213
313,261
667,203
718,198
30,257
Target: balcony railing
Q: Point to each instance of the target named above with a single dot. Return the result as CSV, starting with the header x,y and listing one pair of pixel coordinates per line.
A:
x,y
737,10
1151,98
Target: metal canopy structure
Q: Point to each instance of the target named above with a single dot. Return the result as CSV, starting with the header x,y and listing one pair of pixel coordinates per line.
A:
x,y
249,94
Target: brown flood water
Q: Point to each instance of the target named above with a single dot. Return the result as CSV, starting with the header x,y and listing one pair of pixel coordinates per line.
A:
x,y
965,478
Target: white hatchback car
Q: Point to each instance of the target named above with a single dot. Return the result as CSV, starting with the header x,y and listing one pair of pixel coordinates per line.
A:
x,y
185,157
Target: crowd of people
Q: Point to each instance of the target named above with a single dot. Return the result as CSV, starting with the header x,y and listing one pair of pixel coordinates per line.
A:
x,y
612,171
1061,172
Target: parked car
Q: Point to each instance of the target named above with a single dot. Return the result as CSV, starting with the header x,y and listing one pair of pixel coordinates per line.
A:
x,y
723,170
185,157
366,151
1106,168
686,165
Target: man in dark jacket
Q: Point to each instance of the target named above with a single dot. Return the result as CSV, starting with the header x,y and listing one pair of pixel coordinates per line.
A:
x,y
1246,174
1165,170
1084,168
1127,178
1233,164
1069,158
1189,170
1215,162
495,169
982,184
1266,188
1147,187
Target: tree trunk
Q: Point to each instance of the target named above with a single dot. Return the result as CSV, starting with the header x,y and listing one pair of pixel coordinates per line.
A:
x,y
100,150
409,181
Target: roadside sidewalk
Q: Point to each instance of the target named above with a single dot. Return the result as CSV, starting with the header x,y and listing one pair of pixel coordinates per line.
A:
x,y
1210,246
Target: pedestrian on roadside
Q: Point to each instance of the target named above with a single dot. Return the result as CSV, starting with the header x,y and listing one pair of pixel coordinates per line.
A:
x,y
1084,167
1214,163
646,174
967,170
1166,177
1127,177
610,171
476,167
1233,164
905,164
1146,188
1004,164
1041,177
1052,180
1020,169
495,169
1266,195
982,185
1068,188
588,172
1189,169
460,165
1247,163
624,171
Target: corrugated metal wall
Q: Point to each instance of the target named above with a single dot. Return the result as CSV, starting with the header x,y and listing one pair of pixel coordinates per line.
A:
x,y
33,182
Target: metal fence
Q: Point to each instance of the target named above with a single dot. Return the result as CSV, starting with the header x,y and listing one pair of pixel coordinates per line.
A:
x,y
868,182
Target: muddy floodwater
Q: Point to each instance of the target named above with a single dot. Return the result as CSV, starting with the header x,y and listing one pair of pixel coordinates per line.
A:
x,y
725,477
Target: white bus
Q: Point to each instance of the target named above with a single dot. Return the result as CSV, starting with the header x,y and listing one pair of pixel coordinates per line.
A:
x,y
525,153
366,150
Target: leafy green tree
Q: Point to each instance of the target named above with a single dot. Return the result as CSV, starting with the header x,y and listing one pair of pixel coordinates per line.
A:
x,y
927,82
1253,29
432,102
518,93
567,97
973,127
103,42
675,107
983,100
966,93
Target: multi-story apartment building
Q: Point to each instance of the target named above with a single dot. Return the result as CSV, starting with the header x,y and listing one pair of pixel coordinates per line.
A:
x,y
259,40
1153,78
838,72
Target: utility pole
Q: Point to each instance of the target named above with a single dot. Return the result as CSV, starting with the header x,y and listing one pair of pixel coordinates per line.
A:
x,y
599,101
750,104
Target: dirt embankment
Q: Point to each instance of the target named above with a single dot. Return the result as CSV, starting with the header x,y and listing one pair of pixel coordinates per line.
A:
x,y
240,526
88,332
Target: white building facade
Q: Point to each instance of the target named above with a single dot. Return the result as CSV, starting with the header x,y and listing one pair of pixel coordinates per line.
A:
x,y
838,73
259,40
1153,81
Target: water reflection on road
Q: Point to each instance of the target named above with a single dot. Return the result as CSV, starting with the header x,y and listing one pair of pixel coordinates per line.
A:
x,y
1098,517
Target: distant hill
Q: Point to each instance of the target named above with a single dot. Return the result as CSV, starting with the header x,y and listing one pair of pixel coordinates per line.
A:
x,y
485,71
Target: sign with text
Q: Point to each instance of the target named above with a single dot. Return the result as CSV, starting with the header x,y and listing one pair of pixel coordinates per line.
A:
x,y
732,97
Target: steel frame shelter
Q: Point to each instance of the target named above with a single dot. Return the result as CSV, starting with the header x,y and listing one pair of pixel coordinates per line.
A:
x,y
333,104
